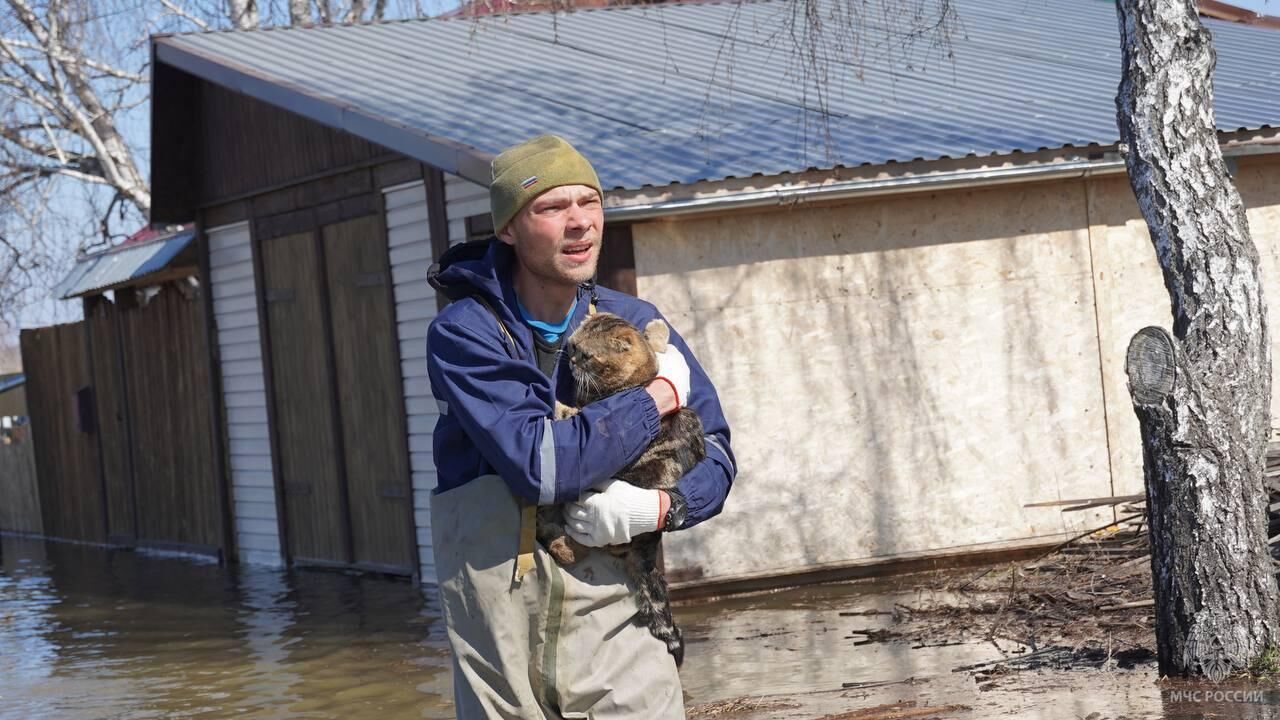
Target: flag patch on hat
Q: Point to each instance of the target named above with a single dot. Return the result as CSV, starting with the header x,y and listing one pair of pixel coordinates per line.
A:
x,y
529,182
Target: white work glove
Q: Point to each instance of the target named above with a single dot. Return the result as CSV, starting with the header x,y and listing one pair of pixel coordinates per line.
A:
x,y
613,515
673,368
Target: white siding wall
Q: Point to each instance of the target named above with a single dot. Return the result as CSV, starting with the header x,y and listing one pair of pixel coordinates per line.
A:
x,y
463,199
409,237
235,309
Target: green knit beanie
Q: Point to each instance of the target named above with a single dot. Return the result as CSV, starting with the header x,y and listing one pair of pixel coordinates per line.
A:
x,y
524,171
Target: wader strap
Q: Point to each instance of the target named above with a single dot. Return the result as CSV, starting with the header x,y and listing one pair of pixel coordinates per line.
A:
x,y
528,511
528,528
501,325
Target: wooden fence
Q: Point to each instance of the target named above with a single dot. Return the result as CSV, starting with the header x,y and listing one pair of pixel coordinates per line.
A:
x,y
19,500
60,404
121,412
164,474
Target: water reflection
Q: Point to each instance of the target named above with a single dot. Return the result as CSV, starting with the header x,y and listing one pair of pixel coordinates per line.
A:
x,y
92,633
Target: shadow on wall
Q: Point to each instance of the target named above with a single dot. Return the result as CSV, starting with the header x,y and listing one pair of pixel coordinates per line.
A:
x,y
900,374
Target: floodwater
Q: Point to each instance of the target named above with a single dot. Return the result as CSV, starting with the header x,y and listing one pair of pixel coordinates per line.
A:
x,y
89,633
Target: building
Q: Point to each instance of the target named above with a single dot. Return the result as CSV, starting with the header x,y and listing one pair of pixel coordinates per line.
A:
x,y
13,395
915,304
122,407
19,502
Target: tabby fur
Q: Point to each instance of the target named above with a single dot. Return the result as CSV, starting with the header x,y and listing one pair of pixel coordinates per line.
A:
x,y
607,355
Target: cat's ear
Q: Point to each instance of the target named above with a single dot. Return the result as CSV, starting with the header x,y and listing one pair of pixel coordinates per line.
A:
x,y
658,335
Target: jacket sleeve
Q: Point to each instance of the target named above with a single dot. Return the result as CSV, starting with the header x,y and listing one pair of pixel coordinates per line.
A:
x,y
504,406
706,486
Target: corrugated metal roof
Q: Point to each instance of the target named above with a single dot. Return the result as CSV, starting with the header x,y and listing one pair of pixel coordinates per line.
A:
x,y
122,264
644,90
10,382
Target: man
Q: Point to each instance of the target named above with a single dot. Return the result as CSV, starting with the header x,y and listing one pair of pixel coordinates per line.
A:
x,y
531,639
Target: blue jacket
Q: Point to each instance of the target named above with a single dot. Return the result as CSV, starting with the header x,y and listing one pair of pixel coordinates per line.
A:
x,y
497,406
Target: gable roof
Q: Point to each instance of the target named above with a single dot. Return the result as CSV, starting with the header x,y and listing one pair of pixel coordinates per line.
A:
x,y
643,90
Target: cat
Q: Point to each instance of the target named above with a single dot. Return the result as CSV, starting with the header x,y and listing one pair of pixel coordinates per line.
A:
x,y
606,355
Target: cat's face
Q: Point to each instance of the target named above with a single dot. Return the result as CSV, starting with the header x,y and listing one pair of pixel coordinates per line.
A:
x,y
606,355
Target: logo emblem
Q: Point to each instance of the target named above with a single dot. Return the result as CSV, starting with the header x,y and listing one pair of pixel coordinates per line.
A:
x,y
529,182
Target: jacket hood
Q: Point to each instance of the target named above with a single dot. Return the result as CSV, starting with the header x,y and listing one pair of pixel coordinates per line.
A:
x,y
483,267
470,267
477,267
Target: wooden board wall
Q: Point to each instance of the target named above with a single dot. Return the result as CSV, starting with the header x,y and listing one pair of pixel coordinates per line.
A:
x,y
334,376
14,402
144,473
241,235
300,376
167,385
19,497
248,145
369,396
71,501
102,324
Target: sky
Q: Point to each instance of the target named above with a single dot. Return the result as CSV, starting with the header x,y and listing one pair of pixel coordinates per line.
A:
x,y
1266,7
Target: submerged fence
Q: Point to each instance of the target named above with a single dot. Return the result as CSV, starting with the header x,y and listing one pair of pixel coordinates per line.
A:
x,y
121,417
19,497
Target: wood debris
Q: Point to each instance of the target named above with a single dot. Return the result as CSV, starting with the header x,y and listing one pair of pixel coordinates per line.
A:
x,y
1090,594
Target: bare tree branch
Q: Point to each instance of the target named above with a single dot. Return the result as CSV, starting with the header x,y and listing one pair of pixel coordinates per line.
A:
x,y
299,12
75,101
182,13
72,75
243,14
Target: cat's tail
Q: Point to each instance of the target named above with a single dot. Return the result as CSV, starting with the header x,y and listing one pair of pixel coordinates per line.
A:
x,y
652,598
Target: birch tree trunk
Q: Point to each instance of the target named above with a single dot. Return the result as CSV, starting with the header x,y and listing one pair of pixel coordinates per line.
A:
x,y
1202,394
299,12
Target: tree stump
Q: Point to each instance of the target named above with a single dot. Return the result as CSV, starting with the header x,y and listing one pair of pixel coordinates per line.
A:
x,y
1202,394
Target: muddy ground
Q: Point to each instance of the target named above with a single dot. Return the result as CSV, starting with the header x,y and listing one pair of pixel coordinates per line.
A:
x,y
1067,635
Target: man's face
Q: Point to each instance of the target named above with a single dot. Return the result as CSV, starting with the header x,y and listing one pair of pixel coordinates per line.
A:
x,y
557,234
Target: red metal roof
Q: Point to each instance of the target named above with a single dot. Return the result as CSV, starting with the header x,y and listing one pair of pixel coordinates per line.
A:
x,y
1226,11
481,8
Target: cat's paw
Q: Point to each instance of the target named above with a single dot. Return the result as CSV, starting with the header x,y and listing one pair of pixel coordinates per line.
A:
x,y
567,551
564,411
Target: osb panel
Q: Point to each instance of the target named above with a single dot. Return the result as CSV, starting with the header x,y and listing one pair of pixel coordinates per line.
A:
x,y
899,375
1131,293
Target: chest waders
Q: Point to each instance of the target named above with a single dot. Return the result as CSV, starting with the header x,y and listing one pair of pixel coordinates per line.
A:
x,y
532,640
